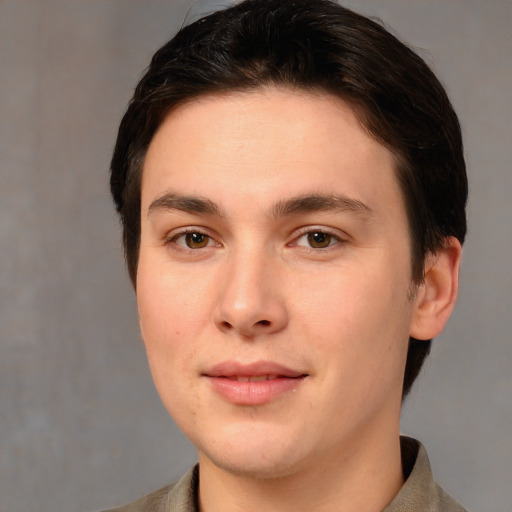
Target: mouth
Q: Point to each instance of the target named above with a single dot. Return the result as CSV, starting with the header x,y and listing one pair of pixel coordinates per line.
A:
x,y
253,384
255,378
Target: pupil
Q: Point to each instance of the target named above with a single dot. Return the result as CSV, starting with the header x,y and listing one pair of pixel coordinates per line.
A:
x,y
319,239
195,240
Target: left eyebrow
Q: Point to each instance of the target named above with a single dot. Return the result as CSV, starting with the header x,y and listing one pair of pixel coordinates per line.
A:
x,y
321,203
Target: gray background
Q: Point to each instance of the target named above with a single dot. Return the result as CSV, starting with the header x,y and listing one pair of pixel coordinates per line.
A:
x,y
81,425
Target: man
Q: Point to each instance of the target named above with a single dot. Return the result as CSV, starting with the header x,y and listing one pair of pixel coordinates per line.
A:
x,y
292,189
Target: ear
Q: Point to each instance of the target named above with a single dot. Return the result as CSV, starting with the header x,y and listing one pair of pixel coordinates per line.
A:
x,y
436,296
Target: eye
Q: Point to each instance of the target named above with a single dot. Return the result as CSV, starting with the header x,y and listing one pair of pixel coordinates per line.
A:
x,y
193,240
317,240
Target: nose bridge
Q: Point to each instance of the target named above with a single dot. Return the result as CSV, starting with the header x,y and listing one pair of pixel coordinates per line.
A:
x,y
248,299
246,279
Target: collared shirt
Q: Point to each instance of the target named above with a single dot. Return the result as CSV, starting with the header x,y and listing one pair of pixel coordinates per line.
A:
x,y
418,494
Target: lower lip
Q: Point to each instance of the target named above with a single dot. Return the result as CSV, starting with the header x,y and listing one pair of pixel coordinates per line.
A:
x,y
253,393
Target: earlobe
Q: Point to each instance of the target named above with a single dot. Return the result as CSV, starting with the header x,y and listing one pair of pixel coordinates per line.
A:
x,y
437,295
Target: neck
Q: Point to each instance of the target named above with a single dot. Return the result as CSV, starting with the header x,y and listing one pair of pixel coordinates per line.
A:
x,y
364,478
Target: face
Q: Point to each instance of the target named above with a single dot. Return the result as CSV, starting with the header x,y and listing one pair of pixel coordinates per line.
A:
x,y
274,280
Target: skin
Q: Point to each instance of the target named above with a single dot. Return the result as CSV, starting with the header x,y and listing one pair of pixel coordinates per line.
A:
x,y
254,284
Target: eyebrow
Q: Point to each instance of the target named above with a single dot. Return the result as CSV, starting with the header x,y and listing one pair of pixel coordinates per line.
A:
x,y
307,203
188,204
321,202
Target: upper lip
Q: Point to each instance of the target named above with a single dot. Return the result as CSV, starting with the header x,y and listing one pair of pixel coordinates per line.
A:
x,y
237,369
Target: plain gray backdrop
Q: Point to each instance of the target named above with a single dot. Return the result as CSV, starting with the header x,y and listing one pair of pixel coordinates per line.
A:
x,y
81,425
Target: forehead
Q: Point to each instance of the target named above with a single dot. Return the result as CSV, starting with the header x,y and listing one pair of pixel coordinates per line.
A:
x,y
264,145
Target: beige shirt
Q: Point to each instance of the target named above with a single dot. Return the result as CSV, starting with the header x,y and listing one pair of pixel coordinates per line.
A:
x,y
418,494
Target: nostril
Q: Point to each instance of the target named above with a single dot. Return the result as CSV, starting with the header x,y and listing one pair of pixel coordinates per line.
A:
x,y
226,325
264,323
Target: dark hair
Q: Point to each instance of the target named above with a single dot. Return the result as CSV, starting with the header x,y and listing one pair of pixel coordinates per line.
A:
x,y
313,45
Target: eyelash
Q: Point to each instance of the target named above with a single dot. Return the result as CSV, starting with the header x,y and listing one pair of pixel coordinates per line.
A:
x,y
334,239
172,238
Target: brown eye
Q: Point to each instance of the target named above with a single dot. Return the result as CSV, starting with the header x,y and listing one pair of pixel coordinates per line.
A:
x,y
319,240
196,240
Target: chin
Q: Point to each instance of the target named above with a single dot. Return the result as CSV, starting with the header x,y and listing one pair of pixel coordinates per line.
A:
x,y
255,468
260,456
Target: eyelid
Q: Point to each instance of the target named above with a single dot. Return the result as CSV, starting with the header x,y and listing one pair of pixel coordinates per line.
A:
x,y
173,235
340,236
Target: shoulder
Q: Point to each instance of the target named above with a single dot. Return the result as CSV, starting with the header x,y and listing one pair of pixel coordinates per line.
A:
x,y
155,501
177,497
420,493
447,503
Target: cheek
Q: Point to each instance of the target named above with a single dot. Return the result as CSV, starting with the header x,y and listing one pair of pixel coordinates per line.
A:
x,y
166,331
171,304
170,327
349,297
361,317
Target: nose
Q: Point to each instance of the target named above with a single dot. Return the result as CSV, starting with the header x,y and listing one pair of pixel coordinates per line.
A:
x,y
251,296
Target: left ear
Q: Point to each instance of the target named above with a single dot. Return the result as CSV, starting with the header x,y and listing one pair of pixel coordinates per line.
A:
x,y
436,295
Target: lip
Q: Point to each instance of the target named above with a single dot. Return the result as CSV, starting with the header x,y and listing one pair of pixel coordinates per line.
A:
x,y
233,381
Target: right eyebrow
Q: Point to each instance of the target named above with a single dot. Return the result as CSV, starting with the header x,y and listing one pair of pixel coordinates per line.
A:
x,y
188,204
